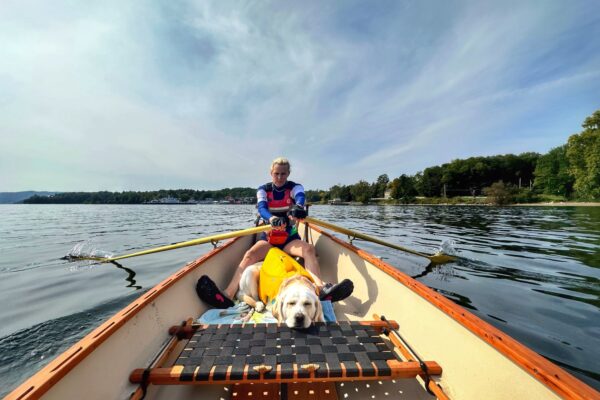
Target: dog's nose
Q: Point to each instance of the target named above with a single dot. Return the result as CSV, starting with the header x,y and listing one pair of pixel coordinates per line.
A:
x,y
299,318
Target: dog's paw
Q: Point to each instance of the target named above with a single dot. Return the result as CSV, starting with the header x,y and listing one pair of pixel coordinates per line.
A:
x,y
260,306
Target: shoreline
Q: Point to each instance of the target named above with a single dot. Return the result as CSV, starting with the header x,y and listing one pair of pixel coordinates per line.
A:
x,y
559,204
542,204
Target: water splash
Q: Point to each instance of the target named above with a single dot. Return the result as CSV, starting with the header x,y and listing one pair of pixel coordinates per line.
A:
x,y
86,249
448,247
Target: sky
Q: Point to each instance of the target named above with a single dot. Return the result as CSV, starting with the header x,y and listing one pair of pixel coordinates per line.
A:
x,y
148,95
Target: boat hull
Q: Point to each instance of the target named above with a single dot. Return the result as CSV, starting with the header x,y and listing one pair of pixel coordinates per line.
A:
x,y
478,360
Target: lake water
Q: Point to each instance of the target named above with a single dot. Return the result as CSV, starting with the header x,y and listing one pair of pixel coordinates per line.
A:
x,y
533,272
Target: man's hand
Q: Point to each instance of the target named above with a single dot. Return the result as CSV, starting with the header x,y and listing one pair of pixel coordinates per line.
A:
x,y
298,212
277,222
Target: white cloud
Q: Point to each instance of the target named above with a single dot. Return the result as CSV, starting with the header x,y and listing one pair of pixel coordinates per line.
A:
x,y
204,94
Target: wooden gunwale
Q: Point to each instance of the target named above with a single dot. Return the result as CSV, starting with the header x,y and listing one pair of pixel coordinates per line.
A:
x,y
555,378
48,376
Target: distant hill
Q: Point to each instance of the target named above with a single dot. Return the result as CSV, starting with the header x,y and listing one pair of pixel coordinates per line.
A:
x,y
18,197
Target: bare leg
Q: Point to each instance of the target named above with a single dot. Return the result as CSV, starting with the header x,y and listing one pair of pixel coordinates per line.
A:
x,y
256,253
307,251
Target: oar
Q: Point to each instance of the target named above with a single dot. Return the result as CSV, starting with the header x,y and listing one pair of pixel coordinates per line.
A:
x,y
213,238
437,258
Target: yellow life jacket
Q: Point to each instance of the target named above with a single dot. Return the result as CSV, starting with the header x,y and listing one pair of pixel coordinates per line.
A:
x,y
277,267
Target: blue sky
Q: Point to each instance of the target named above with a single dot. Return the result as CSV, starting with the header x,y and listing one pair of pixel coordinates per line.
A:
x,y
145,95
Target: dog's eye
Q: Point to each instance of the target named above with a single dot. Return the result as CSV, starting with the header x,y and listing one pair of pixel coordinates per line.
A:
x,y
307,304
292,303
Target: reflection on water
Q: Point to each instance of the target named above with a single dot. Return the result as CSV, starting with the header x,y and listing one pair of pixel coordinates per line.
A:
x,y
130,275
532,272
443,272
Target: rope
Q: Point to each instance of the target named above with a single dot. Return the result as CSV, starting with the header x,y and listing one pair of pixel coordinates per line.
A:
x,y
351,239
144,384
422,364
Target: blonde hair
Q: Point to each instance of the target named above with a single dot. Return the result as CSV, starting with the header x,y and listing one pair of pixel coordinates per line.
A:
x,y
281,161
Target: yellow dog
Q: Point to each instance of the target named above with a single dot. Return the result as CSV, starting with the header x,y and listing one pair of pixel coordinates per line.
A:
x,y
282,280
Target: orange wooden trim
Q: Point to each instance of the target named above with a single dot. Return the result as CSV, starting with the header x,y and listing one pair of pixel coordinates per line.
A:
x,y
171,346
395,339
555,378
137,395
48,376
433,386
437,390
380,325
398,343
189,330
406,369
170,376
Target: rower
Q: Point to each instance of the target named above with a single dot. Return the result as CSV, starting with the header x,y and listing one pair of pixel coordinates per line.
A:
x,y
281,204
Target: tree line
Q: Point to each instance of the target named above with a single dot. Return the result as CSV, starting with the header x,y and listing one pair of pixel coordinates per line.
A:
x,y
131,197
570,171
468,177
573,169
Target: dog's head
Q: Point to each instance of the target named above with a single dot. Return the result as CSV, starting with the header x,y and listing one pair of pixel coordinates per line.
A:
x,y
297,303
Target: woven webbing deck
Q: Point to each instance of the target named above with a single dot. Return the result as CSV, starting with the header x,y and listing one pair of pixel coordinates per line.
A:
x,y
273,352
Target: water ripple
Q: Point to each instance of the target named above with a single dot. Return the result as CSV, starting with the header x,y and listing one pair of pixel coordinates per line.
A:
x,y
532,272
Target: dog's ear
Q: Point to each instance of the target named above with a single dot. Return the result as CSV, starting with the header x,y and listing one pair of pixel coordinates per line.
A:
x,y
274,309
319,317
278,309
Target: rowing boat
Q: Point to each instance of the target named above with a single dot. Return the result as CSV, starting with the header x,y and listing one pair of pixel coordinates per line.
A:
x,y
134,354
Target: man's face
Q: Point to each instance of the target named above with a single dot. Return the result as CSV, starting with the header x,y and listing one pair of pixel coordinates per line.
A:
x,y
279,174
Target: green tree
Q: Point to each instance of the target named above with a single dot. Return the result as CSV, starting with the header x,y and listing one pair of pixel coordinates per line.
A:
x,y
403,187
313,196
500,193
334,192
325,196
341,192
468,176
552,173
361,191
524,168
430,182
583,154
592,122
381,185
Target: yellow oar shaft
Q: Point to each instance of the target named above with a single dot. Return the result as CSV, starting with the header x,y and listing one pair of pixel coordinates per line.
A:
x,y
435,258
359,235
213,238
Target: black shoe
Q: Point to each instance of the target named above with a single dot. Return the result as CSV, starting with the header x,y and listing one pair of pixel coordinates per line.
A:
x,y
210,293
338,291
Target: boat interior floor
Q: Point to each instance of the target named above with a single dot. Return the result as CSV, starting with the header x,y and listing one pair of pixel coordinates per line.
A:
x,y
394,389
